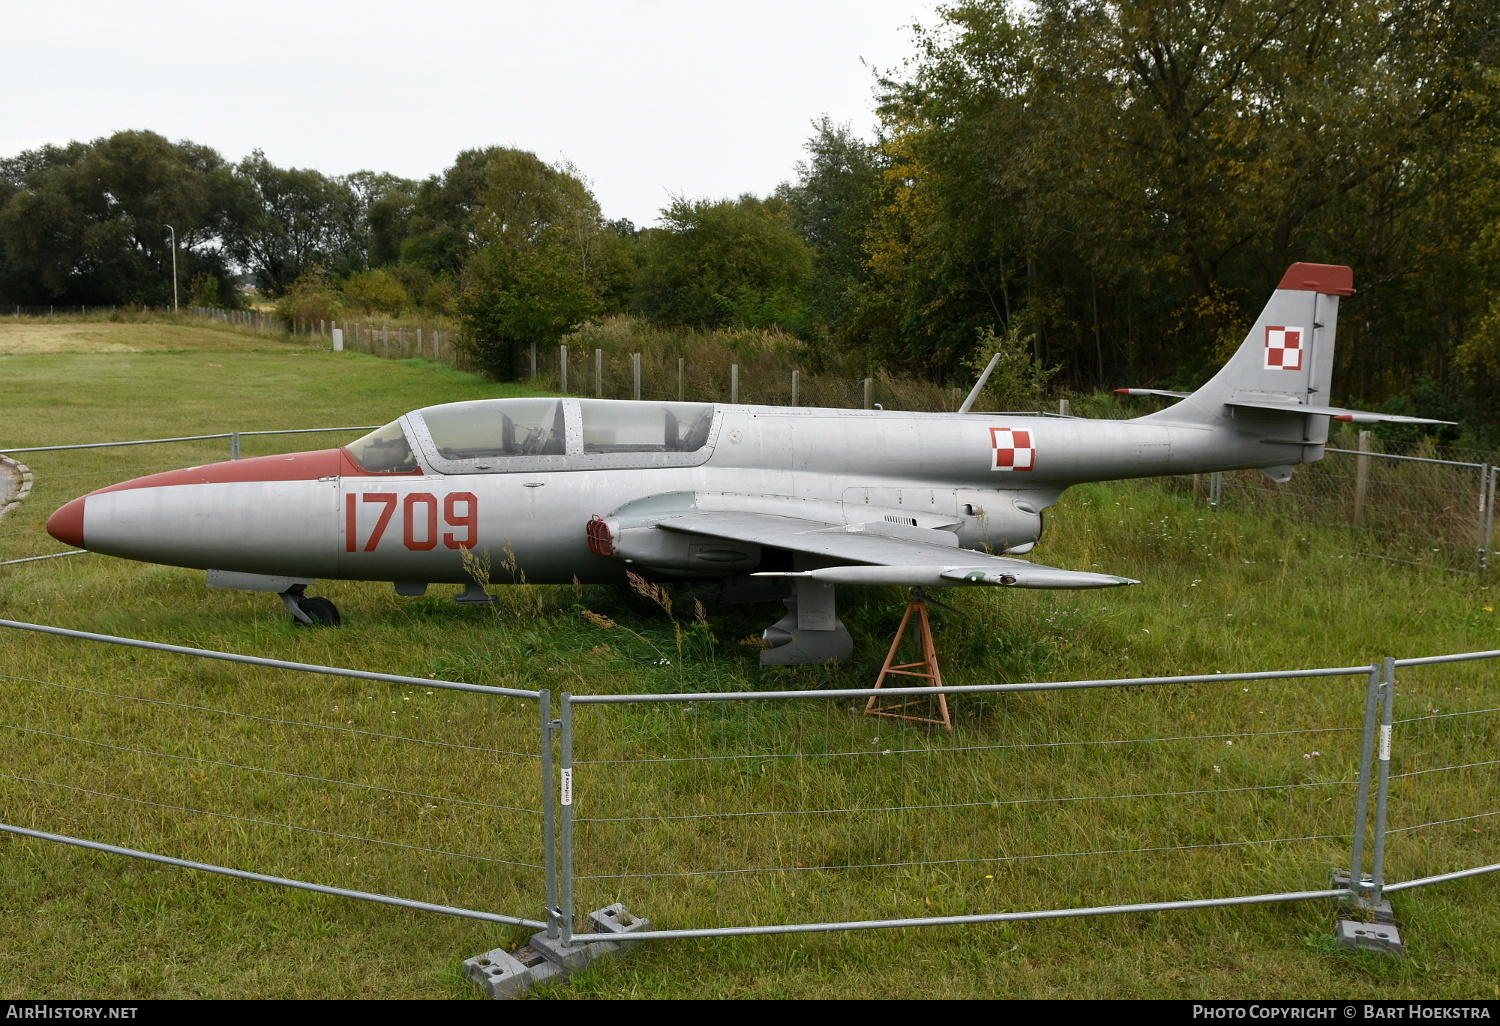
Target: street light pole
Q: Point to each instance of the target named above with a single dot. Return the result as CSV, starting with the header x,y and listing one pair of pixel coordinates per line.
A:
x,y
174,266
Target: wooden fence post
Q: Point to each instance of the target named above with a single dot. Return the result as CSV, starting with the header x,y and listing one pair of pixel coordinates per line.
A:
x,y
1361,475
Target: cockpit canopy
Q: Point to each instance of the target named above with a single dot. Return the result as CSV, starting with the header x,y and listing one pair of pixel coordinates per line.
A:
x,y
645,426
384,450
486,435
497,427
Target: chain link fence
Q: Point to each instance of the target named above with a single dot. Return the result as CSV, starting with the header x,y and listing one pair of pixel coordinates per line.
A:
x,y
1410,502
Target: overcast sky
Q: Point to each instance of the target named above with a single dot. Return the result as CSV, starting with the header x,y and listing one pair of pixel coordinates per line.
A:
x,y
648,98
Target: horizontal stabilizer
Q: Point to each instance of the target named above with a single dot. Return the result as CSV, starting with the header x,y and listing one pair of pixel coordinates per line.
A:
x,y
1019,574
1352,416
1152,391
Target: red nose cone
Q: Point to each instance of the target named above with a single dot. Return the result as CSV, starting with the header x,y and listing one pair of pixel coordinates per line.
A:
x,y
66,525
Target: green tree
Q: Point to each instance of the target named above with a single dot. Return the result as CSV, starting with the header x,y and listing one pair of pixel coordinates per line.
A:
x,y
1134,177
514,298
377,289
726,262
86,222
289,220
537,257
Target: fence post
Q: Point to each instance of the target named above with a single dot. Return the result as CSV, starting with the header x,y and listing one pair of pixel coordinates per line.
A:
x,y
734,383
401,341
794,388
1063,409
437,336
1489,520
1215,488
681,373
338,340
234,445
385,340
1377,862
635,368
1361,474
565,873
562,368
1362,793
549,826
869,390
533,359
1482,553
598,374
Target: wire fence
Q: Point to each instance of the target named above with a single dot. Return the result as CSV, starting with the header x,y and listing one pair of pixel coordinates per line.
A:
x,y
1443,748
756,812
412,790
752,813
1412,502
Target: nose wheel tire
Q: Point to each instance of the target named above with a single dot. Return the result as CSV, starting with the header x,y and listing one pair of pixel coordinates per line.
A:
x,y
309,612
320,611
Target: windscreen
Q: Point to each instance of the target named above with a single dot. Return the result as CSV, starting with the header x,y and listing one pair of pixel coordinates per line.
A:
x,y
383,451
645,427
497,427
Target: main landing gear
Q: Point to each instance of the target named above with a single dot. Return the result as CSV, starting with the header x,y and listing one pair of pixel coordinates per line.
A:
x,y
309,611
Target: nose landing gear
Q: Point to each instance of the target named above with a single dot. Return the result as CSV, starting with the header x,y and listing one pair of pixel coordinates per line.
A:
x,y
310,611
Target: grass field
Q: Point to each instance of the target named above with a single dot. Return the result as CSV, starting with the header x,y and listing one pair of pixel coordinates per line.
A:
x,y
1223,592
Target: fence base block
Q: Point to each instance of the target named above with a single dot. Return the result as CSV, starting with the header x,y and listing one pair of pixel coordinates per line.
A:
x,y
1381,912
506,975
1353,935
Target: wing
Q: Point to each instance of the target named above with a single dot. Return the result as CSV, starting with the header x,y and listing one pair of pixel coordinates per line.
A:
x,y
882,553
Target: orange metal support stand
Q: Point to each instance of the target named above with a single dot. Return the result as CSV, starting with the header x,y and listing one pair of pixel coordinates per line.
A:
x,y
925,667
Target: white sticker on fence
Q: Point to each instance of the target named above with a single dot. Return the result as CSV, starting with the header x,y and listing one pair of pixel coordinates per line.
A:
x,y
567,785
1385,743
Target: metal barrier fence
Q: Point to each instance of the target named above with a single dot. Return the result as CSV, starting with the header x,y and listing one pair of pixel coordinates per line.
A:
x,y
756,812
403,790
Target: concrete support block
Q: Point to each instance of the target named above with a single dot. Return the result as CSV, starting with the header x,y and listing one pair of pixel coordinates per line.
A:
x,y
574,956
506,975
503,974
616,920
1352,935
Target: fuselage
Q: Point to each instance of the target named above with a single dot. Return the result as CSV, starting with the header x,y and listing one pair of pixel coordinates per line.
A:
x,y
324,514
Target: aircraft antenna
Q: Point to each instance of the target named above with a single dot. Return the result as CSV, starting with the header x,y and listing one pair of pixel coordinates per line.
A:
x,y
979,385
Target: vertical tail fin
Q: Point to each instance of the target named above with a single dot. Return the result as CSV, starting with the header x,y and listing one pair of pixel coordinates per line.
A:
x,y
1288,355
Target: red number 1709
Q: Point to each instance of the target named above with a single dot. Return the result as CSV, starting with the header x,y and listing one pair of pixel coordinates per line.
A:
x,y
419,520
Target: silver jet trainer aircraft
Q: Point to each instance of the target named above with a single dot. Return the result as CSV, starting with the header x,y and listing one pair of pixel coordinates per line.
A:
x,y
774,502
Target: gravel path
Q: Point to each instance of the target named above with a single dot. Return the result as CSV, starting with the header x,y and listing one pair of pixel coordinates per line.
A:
x,y
15,483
